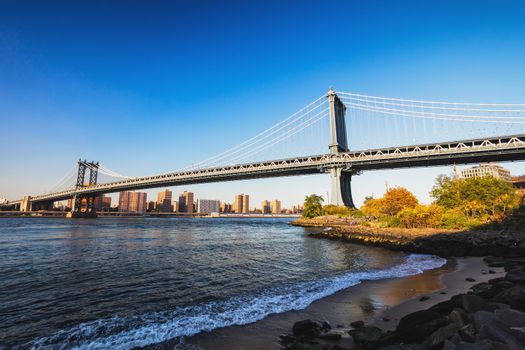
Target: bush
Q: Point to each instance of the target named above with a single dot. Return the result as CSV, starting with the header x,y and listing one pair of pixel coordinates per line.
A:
x,y
454,219
340,211
420,216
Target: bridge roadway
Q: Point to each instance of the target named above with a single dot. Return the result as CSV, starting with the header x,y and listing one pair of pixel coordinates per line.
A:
x,y
507,148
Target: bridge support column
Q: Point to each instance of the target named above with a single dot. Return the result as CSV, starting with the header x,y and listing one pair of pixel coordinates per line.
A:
x,y
84,205
26,204
341,190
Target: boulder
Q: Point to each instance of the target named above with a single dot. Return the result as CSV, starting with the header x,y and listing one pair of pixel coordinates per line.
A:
x,y
415,327
514,296
307,329
357,324
437,339
516,277
330,336
498,332
481,345
472,303
459,317
510,317
366,334
481,318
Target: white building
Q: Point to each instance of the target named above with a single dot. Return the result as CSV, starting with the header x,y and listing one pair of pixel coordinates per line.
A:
x,y
3,200
487,169
208,206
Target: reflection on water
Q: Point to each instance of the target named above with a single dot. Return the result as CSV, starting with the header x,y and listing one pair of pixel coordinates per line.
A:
x,y
58,276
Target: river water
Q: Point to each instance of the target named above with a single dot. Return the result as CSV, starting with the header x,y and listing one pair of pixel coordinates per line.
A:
x,y
123,283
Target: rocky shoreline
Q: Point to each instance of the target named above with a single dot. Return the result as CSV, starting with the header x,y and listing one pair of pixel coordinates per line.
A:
x,y
444,243
490,316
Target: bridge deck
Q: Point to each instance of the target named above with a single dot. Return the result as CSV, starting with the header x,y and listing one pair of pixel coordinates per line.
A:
x,y
507,148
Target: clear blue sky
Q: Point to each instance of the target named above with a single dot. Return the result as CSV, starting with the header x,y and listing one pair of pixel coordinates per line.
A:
x,y
151,86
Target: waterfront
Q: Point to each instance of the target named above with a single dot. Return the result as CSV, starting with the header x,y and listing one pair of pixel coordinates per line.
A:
x,y
137,281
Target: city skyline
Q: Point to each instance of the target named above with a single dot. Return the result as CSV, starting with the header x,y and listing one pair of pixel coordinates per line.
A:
x,y
152,94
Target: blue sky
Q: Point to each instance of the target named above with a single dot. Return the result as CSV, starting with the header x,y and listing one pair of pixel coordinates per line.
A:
x,y
148,87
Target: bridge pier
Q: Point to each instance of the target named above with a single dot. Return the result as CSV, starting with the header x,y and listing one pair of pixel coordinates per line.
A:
x,y
26,204
340,189
84,205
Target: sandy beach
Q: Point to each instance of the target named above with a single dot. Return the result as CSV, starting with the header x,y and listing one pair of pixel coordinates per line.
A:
x,y
381,303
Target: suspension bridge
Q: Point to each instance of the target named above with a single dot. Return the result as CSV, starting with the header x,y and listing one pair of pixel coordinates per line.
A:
x,y
382,133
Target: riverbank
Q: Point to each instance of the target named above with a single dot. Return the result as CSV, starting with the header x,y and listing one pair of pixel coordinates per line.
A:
x,y
491,315
441,242
381,302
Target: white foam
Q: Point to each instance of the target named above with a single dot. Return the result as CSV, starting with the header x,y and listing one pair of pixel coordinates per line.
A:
x,y
128,332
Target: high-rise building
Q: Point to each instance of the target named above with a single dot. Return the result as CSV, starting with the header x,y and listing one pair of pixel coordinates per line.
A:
x,y
276,206
186,204
245,203
241,203
487,169
132,202
226,208
265,207
102,203
237,204
208,206
152,206
175,206
164,201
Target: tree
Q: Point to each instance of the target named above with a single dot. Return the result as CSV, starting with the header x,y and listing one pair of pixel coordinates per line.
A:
x,y
477,197
313,206
421,216
397,199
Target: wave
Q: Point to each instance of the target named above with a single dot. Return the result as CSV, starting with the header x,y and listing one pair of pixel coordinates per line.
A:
x,y
126,332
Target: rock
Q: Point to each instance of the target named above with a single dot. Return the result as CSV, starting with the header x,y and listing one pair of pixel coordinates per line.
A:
x,y
515,277
481,345
498,332
385,319
414,327
307,329
403,347
492,272
443,293
337,347
481,288
459,317
357,324
514,296
470,279
448,345
481,318
472,303
287,339
468,333
436,339
325,326
510,317
366,334
330,336
424,298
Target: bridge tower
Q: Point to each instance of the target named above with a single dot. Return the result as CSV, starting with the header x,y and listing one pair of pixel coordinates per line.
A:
x,y
84,205
340,176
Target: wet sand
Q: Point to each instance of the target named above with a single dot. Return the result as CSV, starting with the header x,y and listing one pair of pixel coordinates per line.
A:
x,y
381,303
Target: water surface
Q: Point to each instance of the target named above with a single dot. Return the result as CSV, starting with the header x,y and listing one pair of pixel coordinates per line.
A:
x,y
121,283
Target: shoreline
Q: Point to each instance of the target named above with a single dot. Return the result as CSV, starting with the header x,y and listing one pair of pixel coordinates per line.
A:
x,y
370,301
440,242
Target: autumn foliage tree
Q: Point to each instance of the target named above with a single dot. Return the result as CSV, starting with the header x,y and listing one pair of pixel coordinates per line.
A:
x,y
395,200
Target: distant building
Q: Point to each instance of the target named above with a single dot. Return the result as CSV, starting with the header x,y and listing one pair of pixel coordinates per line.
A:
x,y
102,203
152,206
487,169
265,207
276,206
226,208
519,184
175,206
186,204
3,200
164,201
241,203
208,206
132,202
